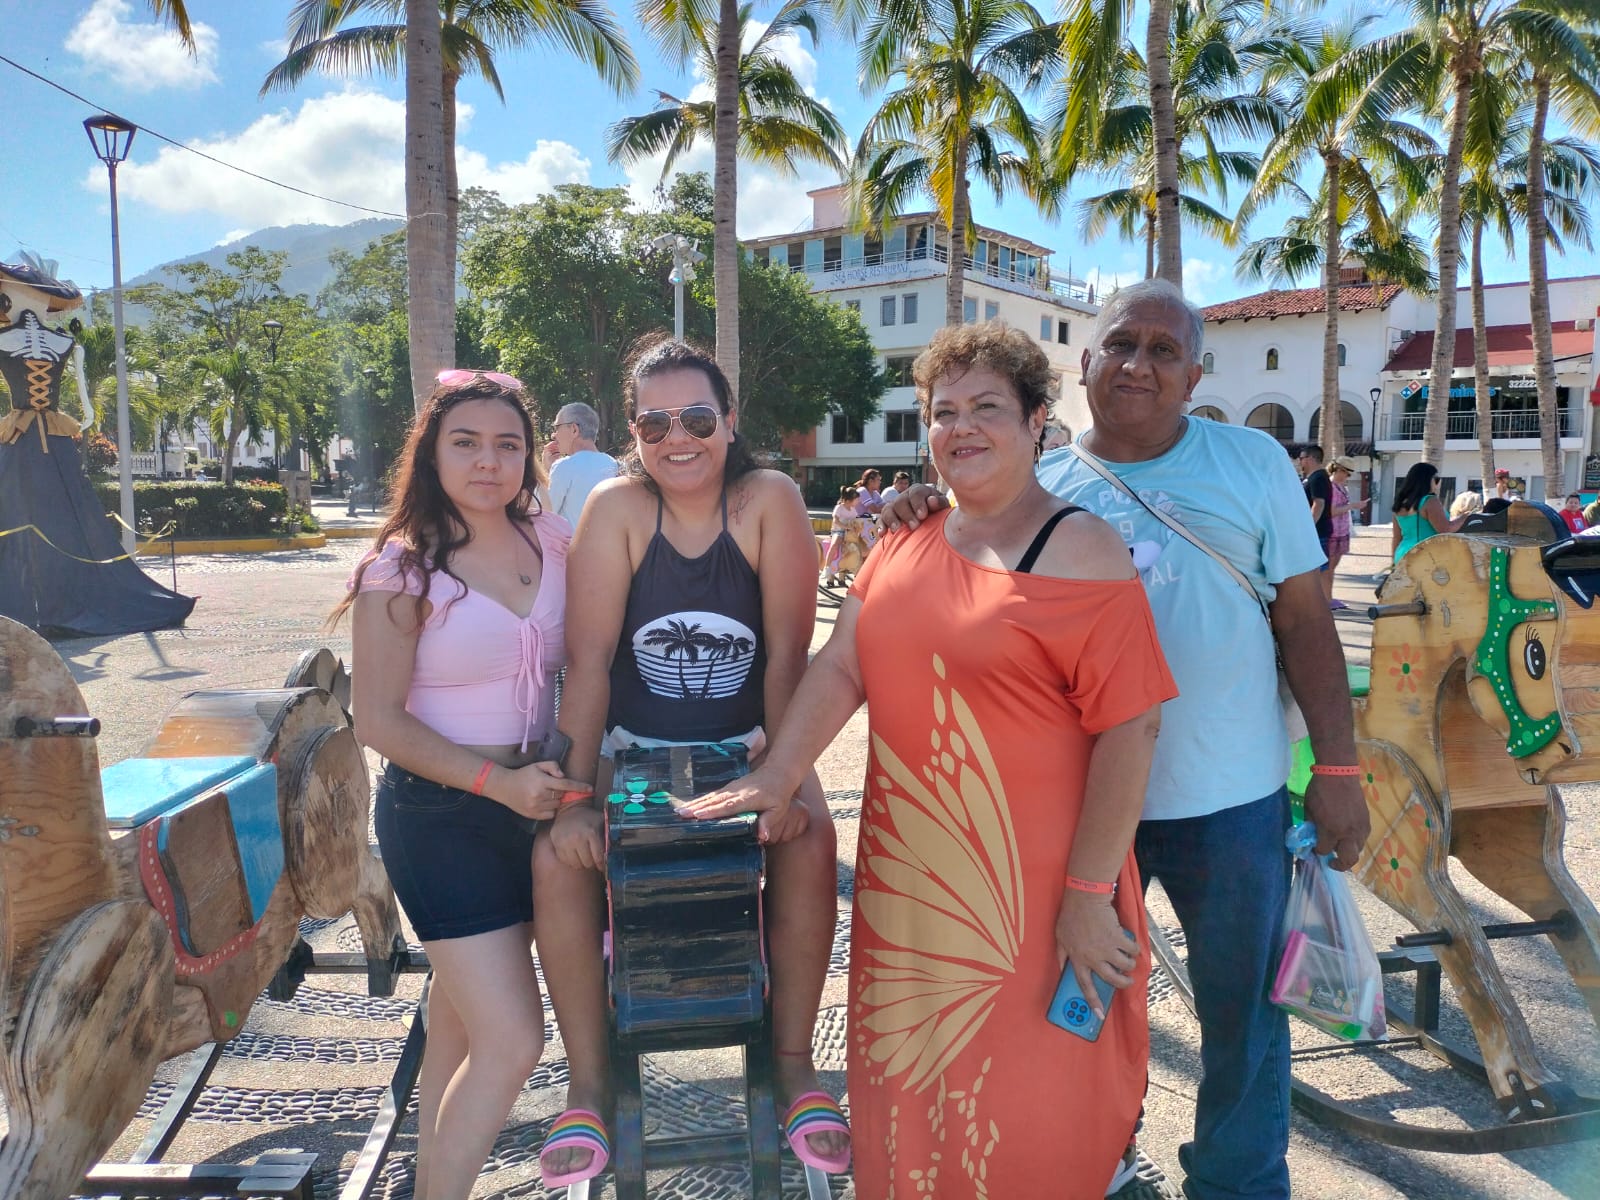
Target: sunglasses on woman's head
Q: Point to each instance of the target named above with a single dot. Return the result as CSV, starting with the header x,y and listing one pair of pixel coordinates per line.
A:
x,y
460,376
699,421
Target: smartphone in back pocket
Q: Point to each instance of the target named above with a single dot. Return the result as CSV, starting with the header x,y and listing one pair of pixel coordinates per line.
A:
x,y
1071,1011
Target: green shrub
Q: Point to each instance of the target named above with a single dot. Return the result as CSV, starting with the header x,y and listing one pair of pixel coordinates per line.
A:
x,y
208,510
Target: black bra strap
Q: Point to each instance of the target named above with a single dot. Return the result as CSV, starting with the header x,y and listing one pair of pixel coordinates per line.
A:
x,y
1031,555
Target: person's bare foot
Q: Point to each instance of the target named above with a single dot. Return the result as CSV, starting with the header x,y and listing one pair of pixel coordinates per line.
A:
x,y
565,1160
796,1075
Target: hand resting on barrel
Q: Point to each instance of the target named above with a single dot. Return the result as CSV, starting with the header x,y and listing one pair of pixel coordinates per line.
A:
x,y
780,818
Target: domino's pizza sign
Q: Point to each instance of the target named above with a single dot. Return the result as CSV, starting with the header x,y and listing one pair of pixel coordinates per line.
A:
x,y
1409,390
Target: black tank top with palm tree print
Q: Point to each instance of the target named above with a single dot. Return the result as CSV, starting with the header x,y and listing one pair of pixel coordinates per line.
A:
x,y
691,661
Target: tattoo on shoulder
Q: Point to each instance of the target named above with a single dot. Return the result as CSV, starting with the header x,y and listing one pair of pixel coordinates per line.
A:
x,y
738,501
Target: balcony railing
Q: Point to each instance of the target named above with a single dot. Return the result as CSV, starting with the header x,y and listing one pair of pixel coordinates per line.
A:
x,y
869,268
1407,427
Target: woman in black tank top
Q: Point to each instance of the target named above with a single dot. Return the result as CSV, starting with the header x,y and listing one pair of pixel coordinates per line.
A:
x,y
691,603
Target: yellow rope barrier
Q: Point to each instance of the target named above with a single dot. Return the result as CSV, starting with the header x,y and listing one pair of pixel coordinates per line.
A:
x,y
95,562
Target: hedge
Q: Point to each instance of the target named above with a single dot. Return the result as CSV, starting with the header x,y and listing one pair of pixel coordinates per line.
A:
x,y
207,510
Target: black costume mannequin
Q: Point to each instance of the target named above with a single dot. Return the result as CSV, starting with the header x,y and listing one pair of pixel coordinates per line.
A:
x,y
44,584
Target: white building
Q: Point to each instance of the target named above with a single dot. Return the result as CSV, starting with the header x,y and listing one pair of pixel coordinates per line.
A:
x,y
896,282
1262,367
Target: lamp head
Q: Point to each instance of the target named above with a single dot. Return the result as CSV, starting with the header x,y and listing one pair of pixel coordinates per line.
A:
x,y
274,331
111,137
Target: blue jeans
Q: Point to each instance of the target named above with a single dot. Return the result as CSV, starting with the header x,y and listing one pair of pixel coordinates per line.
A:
x,y
1227,876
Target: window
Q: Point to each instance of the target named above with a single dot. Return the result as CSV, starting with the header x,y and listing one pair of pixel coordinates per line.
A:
x,y
898,369
901,426
1064,332
1208,363
1044,329
1341,354
908,309
854,306
1272,359
846,429
991,309
886,311
969,311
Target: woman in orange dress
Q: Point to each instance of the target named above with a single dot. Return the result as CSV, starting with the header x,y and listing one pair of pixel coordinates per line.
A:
x,y
1019,681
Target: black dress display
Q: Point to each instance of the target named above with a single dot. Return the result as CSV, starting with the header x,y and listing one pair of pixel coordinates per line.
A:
x,y
43,581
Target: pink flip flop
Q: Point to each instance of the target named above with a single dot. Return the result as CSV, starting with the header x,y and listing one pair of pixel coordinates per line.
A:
x,y
577,1129
816,1112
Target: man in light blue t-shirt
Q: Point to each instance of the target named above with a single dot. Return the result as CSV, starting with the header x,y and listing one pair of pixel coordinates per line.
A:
x,y
579,467
1217,809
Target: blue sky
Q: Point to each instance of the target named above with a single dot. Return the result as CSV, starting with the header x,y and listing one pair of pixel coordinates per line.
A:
x,y
344,139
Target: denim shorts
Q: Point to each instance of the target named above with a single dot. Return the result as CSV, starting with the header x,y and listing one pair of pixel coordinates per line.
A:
x,y
460,864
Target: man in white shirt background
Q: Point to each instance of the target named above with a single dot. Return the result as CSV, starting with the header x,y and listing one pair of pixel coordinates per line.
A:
x,y
902,483
578,466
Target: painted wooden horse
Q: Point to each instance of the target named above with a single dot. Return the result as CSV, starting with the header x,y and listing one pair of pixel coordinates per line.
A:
x,y
1484,695
144,908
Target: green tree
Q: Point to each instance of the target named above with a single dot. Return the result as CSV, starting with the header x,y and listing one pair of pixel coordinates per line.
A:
x,y
1216,53
1364,153
960,72
779,123
457,38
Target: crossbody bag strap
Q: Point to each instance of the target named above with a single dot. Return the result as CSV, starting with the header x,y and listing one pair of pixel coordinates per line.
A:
x,y
1172,523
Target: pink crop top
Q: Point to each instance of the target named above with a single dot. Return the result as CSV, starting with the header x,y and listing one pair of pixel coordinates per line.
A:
x,y
483,675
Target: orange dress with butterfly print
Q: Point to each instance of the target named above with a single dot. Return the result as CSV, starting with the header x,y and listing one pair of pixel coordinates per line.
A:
x,y
985,690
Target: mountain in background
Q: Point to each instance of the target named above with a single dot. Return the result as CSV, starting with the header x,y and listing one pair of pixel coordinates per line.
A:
x,y
307,246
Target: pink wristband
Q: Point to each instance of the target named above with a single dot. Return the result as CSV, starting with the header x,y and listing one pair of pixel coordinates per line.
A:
x,y
1329,769
483,777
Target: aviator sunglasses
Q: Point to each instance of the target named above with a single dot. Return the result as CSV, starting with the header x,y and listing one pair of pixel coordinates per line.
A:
x,y
699,421
460,375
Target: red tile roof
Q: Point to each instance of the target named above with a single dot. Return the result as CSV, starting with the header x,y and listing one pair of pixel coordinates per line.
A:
x,y
1302,302
1509,346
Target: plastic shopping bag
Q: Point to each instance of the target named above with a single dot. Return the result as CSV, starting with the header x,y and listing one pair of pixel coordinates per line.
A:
x,y
1328,974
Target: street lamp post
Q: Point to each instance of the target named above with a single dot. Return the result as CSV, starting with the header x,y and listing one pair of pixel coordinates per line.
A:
x,y
1374,394
274,330
112,138
362,422
685,254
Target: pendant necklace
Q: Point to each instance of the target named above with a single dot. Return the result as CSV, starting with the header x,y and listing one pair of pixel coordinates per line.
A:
x,y
527,580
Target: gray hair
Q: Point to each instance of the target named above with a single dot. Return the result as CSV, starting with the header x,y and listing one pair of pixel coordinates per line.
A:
x,y
1152,289
581,415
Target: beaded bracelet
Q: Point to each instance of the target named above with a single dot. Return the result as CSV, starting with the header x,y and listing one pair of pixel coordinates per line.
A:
x,y
483,777
1329,769
1087,885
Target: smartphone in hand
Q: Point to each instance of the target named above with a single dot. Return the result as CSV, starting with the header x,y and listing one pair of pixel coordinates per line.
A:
x,y
1069,1010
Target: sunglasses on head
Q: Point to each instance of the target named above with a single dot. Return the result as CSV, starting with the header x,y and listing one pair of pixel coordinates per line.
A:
x,y
699,421
460,376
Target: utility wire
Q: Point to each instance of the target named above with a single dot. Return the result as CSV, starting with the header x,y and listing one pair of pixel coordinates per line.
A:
x,y
208,157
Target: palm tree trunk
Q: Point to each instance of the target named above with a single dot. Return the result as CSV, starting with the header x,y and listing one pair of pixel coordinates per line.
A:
x,y
452,189
1480,363
1444,330
432,301
955,280
231,447
1150,245
1164,122
1544,365
1332,417
725,196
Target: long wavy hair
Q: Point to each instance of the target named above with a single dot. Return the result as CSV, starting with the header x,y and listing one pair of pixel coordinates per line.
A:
x,y
658,357
422,517
1415,488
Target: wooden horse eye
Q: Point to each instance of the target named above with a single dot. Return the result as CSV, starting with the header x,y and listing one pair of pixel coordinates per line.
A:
x,y
1533,656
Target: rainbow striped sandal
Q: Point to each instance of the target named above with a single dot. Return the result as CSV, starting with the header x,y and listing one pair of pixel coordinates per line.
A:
x,y
816,1112
577,1129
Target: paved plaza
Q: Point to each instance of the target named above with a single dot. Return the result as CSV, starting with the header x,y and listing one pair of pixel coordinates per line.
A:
x,y
308,1074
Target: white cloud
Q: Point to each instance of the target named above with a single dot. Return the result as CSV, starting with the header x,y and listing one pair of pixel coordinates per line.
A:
x,y
233,235
768,202
142,57
347,145
789,47
1204,280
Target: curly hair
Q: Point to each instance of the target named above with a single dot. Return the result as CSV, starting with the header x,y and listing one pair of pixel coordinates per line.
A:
x,y
660,355
1008,352
421,516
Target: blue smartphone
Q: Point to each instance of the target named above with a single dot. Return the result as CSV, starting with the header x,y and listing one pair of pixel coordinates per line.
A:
x,y
1069,1010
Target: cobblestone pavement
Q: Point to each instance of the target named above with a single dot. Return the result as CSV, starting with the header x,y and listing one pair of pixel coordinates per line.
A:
x,y
308,1074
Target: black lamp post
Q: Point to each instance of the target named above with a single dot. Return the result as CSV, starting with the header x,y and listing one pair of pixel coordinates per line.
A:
x,y
1372,475
274,331
112,138
1375,393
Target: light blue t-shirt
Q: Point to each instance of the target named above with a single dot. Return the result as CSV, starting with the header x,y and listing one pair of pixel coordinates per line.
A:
x,y
574,477
1222,740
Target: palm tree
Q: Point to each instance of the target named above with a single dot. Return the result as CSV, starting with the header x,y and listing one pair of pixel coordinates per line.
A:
x,y
778,123
236,395
176,12
963,67
1363,152
459,37
1214,56
683,641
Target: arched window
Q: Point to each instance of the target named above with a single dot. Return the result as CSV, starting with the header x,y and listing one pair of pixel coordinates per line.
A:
x,y
1273,419
1210,412
1341,354
1350,418
1272,359
1208,363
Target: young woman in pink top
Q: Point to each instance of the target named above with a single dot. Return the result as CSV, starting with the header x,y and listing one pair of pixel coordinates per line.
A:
x,y
458,627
